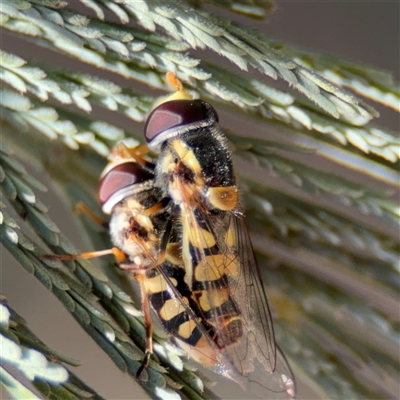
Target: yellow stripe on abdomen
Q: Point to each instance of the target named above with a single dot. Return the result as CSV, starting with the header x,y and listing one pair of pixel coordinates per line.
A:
x,y
212,299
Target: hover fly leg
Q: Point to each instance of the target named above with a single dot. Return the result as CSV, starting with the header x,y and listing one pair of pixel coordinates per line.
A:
x,y
118,254
139,150
125,152
148,325
141,277
174,82
156,207
82,208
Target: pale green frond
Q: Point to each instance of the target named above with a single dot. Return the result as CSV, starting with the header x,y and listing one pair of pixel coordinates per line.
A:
x,y
289,216
259,9
70,87
367,200
53,122
370,82
32,363
15,388
260,100
84,90
331,325
205,32
23,351
343,156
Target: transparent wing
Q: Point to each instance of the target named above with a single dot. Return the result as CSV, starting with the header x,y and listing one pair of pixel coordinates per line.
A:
x,y
259,348
247,284
231,298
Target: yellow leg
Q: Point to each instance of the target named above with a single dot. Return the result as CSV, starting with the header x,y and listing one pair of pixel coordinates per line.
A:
x,y
140,150
174,82
118,254
153,209
140,277
82,208
124,152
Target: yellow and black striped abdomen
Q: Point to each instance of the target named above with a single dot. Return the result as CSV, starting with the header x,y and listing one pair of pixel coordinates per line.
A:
x,y
212,266
211,291
173,302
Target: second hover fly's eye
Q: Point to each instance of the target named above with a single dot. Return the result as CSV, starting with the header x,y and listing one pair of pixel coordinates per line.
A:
x,y
175,114
120,177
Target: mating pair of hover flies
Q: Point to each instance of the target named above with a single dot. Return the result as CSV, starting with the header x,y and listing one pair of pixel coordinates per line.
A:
x,y
177,226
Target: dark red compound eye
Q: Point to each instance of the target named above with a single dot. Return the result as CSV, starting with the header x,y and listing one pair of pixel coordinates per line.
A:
x,y
120,177
175,114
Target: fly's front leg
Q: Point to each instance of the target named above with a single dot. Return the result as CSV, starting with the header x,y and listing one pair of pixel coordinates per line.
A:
x,y
137,153
119,255
82,208
140,275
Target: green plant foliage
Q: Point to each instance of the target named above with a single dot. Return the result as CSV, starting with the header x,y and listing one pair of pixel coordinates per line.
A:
x,y
23,351
327,238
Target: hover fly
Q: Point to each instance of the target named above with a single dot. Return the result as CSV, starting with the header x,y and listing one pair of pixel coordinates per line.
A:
x,y
223,320
139,219
177,225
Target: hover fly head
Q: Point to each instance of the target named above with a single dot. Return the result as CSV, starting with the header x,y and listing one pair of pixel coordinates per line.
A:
x,y
121,177
177,114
